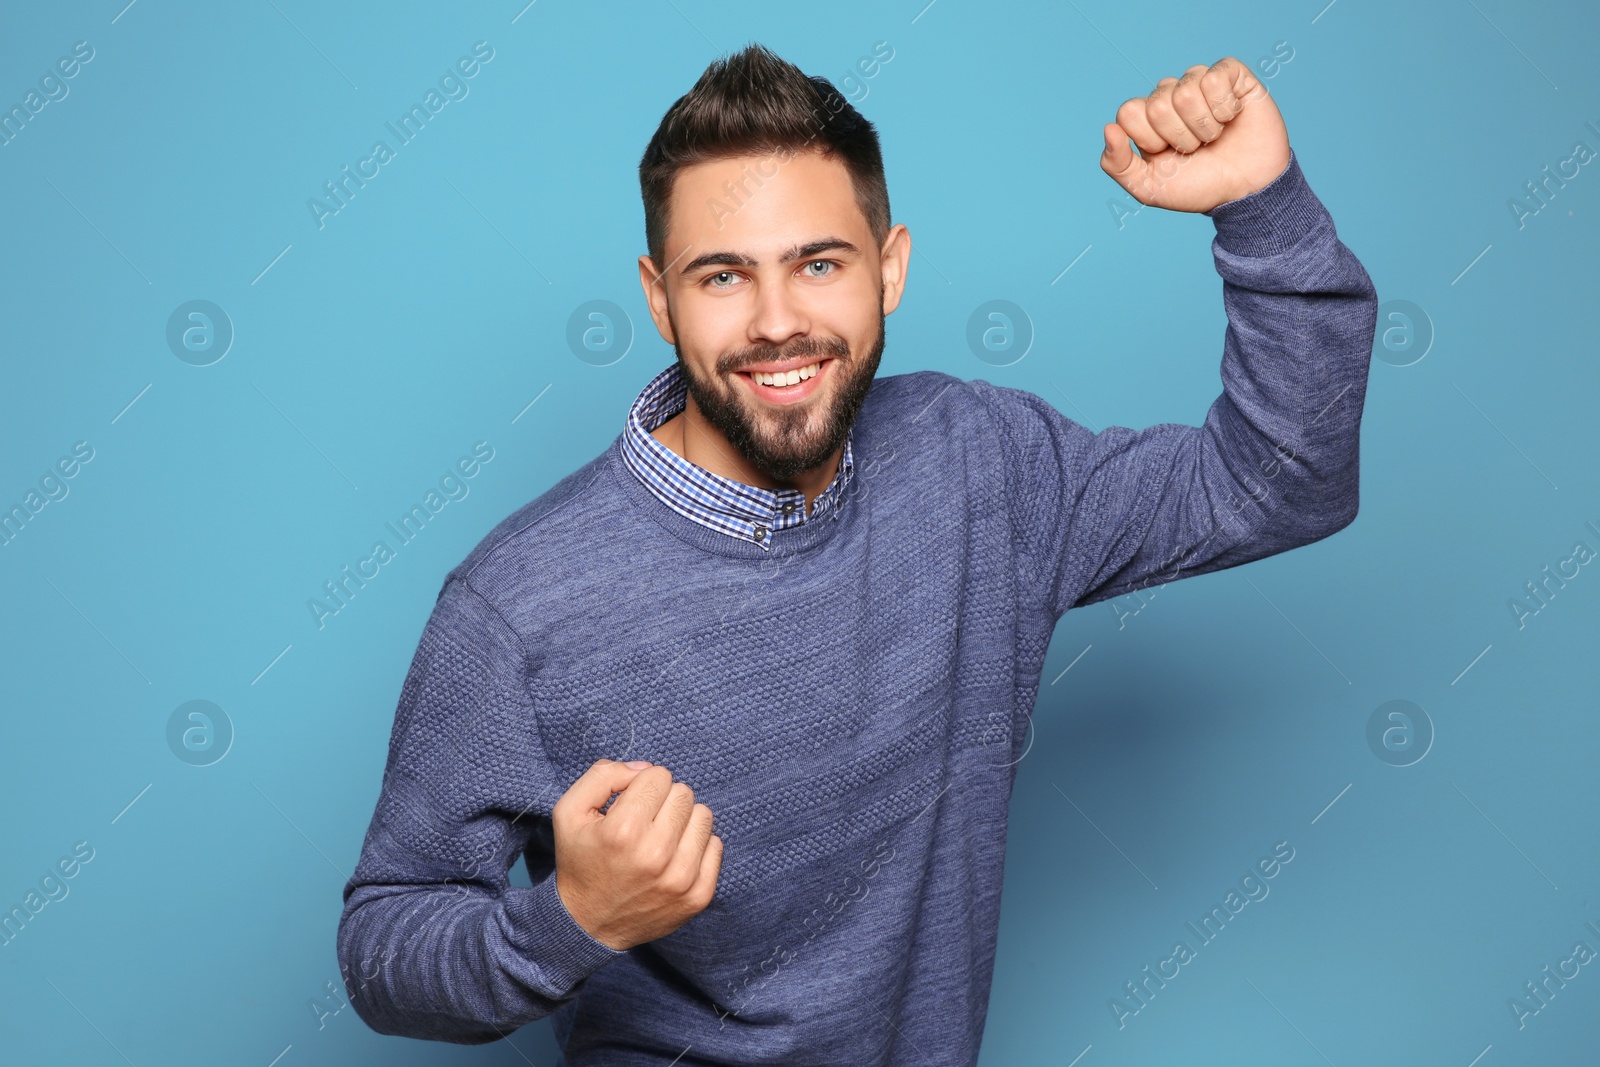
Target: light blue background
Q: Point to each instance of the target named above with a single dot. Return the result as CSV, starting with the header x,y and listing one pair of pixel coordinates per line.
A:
x,y
1186,739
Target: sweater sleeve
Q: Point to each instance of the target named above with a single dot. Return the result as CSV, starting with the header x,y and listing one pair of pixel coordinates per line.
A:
x,y
1274,466
433,941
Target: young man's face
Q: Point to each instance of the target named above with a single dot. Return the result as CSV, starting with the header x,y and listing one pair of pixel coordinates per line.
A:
x,y
770,263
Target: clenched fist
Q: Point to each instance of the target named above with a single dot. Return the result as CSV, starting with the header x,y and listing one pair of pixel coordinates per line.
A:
x,y
1211,136
641,868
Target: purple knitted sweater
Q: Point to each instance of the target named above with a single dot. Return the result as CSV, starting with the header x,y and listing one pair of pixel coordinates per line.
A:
x,y
850,702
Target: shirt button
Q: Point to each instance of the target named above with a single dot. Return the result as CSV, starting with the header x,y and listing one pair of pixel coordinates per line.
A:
x,y
759,533
788,509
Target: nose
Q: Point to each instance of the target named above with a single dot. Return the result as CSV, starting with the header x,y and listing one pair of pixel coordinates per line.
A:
x,y
777,316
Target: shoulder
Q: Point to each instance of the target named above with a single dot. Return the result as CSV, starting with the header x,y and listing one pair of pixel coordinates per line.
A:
x,y
935,411
893,392
921,400
562,523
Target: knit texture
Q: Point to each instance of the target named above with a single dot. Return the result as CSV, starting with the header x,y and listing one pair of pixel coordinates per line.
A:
x,y
851,701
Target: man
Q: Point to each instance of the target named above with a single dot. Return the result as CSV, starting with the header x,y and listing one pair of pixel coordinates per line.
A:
x,y
813,607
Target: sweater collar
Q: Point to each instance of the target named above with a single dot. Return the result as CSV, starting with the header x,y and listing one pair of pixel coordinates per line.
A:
x,y
746,512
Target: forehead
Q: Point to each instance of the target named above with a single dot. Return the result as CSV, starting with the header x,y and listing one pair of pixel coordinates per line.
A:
x,y
760,202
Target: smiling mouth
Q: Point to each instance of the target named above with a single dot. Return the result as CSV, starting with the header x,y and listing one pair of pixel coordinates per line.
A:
x,y
787,394
788,379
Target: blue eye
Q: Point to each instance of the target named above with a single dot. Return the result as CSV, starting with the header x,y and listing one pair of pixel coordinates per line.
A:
x,y
712,282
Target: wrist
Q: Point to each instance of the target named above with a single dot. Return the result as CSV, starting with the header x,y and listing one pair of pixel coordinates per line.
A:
x,y
578,909
1272,219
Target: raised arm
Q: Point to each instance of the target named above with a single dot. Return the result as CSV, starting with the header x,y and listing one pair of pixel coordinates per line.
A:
x,y
1275,463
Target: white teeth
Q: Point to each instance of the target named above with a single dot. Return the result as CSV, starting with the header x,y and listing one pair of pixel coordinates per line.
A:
x,y
794,377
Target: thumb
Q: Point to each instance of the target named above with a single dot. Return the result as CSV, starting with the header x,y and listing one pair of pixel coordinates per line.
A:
x,y
1118,160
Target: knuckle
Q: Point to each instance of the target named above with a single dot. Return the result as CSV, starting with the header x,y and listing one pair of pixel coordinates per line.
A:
x,y
657,859
680,880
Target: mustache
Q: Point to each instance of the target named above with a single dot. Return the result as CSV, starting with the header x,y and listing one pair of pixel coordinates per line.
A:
x,y
833,347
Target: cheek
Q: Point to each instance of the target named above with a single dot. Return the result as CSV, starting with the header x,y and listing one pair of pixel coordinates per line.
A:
x,y
704,330
865,308
861,332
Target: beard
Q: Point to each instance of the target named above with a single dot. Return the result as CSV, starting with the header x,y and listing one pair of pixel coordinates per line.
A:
x,y
783,442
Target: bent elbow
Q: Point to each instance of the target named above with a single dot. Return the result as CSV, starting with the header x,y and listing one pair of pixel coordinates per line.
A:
x,y
1333,516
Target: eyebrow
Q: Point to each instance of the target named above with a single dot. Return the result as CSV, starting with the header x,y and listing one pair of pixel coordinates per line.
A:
x,y
739,259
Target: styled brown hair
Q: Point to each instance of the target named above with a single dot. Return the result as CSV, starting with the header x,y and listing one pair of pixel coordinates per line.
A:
x,y
754,103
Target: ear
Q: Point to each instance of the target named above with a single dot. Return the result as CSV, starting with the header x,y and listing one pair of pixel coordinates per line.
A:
x,y
895,260
654,285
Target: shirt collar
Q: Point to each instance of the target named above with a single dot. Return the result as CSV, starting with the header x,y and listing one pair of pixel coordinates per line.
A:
x,y
747,512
